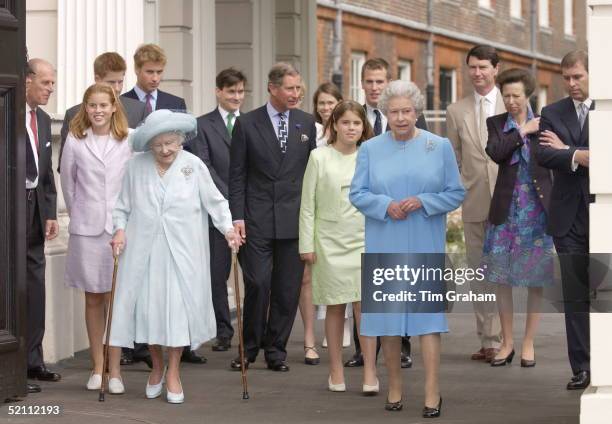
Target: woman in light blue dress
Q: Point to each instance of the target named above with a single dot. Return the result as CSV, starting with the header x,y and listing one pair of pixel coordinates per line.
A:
x,y
163,294
405,182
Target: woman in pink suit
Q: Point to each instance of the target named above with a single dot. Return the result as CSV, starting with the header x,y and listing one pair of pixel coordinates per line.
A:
x,y
93,162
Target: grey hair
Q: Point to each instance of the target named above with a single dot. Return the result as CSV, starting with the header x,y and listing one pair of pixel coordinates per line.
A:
x,y
279,71
399,88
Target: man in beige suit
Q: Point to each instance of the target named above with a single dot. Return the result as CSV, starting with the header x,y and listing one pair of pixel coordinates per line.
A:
x,y
467,130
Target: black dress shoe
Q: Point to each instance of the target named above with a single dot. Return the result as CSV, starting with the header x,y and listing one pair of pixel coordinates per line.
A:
x,y
33,388
222,344
503,361
146,359
311,361
42,373
278,366
355,361
580,381
235,364
406,360
126,357
432,412
192,357
394,406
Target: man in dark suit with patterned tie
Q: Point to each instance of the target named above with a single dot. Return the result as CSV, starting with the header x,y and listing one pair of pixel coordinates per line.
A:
x,y
269,152
149,65
41,209
564,148
212,145
375,76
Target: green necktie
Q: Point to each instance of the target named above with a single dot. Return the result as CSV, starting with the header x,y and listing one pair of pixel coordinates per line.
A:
x,y
230,123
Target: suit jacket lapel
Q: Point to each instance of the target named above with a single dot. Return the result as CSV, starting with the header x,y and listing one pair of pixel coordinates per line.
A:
x,y
499,104
469,117
570,120
217,123
89,142
43,138
267,133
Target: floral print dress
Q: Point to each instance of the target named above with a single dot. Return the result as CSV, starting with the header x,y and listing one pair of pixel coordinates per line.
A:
x,y
519,252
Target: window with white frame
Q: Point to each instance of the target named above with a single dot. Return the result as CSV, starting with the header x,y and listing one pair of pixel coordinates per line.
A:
x,y
516,9
404,70
355,90
542,97
568,17
485,4
448,87
543,13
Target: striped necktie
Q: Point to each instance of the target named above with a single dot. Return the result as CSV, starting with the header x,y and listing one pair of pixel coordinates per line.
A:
x,y
282,132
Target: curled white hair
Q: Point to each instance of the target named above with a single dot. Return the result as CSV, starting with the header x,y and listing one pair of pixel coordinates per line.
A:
x,y
181,137
399,88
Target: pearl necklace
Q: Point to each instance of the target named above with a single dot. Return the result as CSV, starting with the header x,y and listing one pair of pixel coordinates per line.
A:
x,y
160,170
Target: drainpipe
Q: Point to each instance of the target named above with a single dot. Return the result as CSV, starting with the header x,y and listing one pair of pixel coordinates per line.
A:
x,y
337,48
534,40
430,57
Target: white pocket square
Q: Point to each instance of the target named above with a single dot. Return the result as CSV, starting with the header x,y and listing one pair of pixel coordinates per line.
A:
x,y
304,138
48,144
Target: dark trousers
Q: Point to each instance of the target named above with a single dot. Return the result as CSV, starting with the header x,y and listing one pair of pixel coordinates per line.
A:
x,y
573,250
272,272
220,266
406,348
35,274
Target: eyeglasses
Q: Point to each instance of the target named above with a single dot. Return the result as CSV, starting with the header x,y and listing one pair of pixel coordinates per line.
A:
x,y
169,145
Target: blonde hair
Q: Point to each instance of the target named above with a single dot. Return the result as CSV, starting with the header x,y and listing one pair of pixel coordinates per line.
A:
x,y
118,122
149,53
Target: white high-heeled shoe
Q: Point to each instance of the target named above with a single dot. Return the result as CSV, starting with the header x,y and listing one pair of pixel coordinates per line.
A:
x,y
335,387
153,391
115,386
94,382
175,397
368,390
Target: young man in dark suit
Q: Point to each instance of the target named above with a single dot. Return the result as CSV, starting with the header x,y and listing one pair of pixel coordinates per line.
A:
x,y
149,64
564,148
212,145
109,68
269,152
41,209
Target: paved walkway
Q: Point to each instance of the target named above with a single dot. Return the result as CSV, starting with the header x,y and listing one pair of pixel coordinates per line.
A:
x,y
473,392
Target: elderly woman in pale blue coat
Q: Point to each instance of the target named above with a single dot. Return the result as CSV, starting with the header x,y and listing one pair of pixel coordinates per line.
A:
x,y
163,294
405,182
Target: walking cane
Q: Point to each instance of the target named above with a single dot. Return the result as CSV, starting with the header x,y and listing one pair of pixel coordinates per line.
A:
x,y
243,371
109,320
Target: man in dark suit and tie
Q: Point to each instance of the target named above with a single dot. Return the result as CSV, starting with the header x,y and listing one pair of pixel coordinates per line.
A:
x,y
564,148
374,78
41,209
109,68
212,145
149,64
269,152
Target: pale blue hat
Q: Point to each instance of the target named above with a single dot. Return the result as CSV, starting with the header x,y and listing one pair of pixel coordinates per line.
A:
x,y
160,122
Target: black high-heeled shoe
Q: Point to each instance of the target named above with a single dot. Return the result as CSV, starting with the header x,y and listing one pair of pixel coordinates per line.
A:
x,y
503,361
433,412
394,406
528,363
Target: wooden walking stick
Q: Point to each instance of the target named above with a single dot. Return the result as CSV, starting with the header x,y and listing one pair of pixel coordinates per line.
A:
x,y
109,321
243,371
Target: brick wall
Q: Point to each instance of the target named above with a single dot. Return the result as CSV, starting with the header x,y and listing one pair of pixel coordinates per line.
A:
x,y
392,29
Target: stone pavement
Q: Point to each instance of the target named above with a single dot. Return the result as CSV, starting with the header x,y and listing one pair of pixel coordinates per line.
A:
x,y
473,393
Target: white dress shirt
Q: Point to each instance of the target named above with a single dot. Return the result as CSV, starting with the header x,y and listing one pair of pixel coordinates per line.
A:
x,y
588,102
372,118
224,114
32,184
142,96
490,102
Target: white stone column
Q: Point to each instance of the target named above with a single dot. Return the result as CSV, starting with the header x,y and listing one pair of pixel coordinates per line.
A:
x,y
596,402
204,55
87,28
